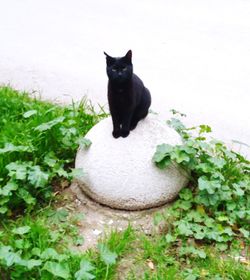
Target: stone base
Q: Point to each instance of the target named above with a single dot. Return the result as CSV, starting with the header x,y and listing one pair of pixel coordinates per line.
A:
x,y
120,173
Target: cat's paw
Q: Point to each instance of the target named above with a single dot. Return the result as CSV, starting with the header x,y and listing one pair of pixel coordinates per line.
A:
x,y
116,133
124,133
133,125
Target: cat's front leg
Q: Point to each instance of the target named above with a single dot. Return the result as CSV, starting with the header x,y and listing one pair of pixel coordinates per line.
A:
x,y
116,127
126,125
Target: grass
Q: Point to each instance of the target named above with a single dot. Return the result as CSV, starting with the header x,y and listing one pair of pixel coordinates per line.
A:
x,y
38,143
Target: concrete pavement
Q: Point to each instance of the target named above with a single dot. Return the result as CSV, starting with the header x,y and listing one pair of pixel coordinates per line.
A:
x,y
194,56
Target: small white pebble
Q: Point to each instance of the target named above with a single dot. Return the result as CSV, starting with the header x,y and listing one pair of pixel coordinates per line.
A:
x,y
97,232
110,222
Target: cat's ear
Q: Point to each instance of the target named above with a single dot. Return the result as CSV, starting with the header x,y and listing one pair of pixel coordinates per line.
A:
x,y
109,59
128,56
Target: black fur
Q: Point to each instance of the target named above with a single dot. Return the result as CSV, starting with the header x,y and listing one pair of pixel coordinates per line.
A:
x,y
129,100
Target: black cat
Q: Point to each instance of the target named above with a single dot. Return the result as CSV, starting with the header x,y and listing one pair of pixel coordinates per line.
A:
x,y
129,100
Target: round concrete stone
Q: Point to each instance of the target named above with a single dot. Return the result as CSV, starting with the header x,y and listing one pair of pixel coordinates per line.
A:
x,y
120,172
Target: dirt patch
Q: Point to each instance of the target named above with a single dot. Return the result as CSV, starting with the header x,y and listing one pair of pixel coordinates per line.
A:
x,y
99,220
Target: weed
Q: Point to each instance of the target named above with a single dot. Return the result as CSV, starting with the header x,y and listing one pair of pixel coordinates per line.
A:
x,y
38,142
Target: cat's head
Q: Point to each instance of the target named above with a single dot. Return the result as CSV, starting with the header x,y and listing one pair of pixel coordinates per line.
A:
x,y
119,69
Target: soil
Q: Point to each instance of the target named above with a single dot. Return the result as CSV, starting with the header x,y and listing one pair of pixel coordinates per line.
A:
x,y
99,220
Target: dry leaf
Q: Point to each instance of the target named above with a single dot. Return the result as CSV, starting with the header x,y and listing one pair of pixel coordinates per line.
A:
x,y
150,264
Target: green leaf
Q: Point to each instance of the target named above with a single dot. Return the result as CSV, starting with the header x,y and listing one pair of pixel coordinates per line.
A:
x,y
161,152
29,113
246,233
176,124
106,255
26,196
184,228
183,204
77,173
9,257
31,263
60,215
8,188
201,254
79,241
209,186
164,163
57,269
9,147
180,156
169,238
37,177
3,209
229,231
221,246
51,254
84,142
50,159
158,217
205,129
217,162
186,194
17,170
21,230
85,271
48,125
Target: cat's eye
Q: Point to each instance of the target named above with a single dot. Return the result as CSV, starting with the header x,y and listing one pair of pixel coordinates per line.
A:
x,y
124,69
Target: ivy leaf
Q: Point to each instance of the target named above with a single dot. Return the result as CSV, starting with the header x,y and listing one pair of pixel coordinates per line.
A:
x,y
21,230
245,232
77,173
9,257
79,241
107,256
184,228
186,194
32,263
37,177
17,170
176,124
9,147
205,167
60,215
48,125
180,156
85,271
229,231
26,196
169,238
201,254
3,209
8,188
51,254
209,186
57,269
84,142
50,159
217,162
221,246
29,113
205,129
164,163
161,152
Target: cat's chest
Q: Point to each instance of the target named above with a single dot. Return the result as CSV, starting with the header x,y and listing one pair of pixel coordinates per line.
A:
x,y
121,99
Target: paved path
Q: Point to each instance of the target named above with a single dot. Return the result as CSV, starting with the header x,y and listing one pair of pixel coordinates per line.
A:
x,y
194,55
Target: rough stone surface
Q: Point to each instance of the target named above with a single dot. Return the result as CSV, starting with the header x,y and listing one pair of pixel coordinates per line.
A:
x,y
120,172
